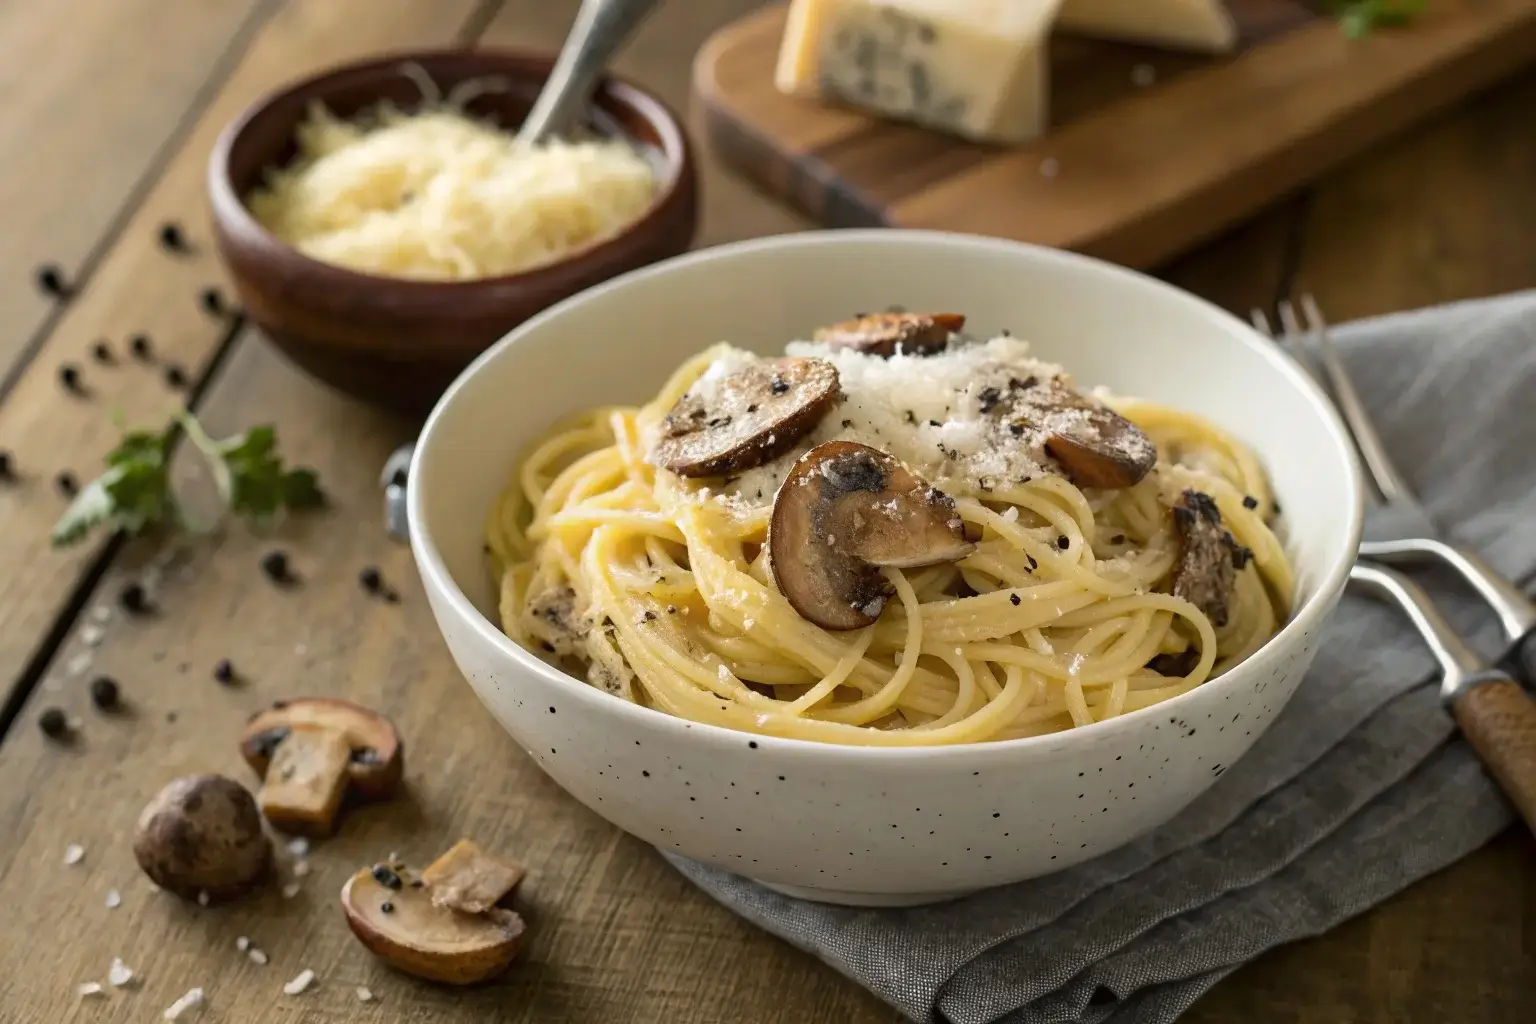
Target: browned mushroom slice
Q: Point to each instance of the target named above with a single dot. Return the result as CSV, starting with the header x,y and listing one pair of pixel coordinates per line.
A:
x,y
378,757
884,334
468,879
1095,446
1206,572
403,927
746,419
844,511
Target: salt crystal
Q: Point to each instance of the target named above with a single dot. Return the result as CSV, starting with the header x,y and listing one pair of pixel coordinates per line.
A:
x,y
1049,168
394,857
73,723
242,943
299,847
300,983
101,613
77,665
152,886
300,868
301,649
119,974
1143,75
364,995
114,899
92,635
290,890
74,853
92,988
192,999
258,957
202,898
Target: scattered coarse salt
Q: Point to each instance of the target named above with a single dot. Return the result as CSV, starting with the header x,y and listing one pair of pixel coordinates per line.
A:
x,y
74,853
101,613
92,636
1050,167
300,868
1143,75
299,846
193,999
242,943
305,978
92,988
73,723
364,994
290,890
114,899
77,665
393,858
119,974
202,898
258,957
152,886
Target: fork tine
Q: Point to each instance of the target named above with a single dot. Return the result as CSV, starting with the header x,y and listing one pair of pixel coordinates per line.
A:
x,y
1260,322
1389,483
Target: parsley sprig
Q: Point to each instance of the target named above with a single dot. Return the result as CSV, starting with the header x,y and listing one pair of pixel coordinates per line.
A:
x,y
1360,17
134,493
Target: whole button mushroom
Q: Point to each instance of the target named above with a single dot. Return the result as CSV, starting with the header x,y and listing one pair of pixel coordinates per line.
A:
x,y
312,752
202,835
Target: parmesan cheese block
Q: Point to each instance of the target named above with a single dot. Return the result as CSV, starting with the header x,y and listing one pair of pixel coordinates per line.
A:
x,y
975,68
1204,26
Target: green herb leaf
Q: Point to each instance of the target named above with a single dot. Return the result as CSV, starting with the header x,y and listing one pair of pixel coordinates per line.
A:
x,y
1360,17
133,494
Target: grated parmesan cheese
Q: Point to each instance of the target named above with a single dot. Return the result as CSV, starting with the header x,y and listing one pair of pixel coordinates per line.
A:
x,y
931,412
435,195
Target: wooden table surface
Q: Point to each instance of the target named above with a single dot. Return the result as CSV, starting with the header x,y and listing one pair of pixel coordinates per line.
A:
x,y
109,112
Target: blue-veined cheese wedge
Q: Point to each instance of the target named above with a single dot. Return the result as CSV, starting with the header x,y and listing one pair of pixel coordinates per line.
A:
x,y
974,68
1204,26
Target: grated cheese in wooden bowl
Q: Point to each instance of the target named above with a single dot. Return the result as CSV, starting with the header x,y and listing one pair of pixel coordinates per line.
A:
x,y
433,194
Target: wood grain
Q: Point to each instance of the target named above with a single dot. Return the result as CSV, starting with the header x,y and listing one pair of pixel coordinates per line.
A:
x,y
1139,177
140,289
1499,719
92,107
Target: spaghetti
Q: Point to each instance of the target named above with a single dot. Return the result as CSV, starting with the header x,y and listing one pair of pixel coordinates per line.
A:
x,y
1066,608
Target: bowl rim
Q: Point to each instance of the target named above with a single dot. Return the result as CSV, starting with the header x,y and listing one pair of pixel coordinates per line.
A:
x,y
234,218
1311,613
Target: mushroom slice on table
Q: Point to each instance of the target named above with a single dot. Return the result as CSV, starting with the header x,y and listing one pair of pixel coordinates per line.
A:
x,y
1205,574
1094,445
747,418
844,512
886,334
202,835
377,755
468,879
403,927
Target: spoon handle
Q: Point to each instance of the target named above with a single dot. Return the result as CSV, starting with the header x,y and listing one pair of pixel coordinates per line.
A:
x,y
601,27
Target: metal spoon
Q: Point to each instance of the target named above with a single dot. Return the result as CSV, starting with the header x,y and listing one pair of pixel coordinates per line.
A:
x,y
602,26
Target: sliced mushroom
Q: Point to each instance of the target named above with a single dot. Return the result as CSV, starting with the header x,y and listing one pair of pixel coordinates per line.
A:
x,y
845,511
746,419
468,879
306,780
885,334
202,835
377,755
403,927
1176,665
1094,445
1206,572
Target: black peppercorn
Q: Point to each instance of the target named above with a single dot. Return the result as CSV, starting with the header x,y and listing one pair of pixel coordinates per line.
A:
x,y
275,565
69,376
7,471
1063,543
1250,502
53,723
101,352
385,876
104,693
223,671
66,484
175,376
386,907
134,599
139,346
213,301
50,280
370,579
171,237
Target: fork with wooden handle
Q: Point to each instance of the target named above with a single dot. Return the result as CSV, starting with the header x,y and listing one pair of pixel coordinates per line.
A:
x,y
1496,715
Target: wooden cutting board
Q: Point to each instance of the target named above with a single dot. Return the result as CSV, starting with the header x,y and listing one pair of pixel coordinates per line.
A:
x,y
1134,170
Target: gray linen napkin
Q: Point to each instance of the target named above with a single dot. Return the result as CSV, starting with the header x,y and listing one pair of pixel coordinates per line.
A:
x,y
1358,789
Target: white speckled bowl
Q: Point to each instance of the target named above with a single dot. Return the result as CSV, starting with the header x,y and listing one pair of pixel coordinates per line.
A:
x,y
848,824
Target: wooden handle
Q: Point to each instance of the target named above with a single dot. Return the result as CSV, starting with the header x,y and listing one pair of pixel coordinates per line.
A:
x,y
1499,719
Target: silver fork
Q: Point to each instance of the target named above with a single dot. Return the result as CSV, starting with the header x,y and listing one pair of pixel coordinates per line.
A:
x,y
1421,542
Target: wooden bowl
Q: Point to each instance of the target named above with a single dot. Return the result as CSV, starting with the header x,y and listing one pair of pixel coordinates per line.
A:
x,y
396,342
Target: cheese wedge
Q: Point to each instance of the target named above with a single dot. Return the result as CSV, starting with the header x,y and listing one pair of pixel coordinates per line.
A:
x,y
1203,26
974,68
